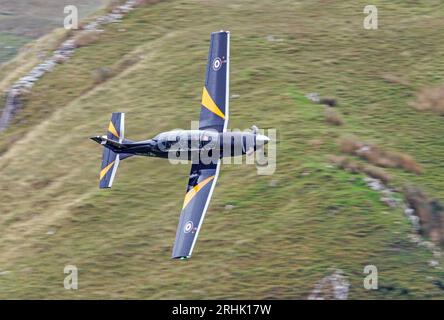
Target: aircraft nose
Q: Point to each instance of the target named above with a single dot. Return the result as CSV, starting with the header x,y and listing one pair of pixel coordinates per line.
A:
x,y
262,138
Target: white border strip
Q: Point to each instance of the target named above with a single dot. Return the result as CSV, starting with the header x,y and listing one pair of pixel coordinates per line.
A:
x,y
122,127
227,85
116,164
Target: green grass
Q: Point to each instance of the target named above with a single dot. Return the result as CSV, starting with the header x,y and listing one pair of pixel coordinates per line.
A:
x,y
9,45
277,241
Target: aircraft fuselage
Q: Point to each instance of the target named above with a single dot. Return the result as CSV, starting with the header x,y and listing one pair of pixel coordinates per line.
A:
x,y
187,144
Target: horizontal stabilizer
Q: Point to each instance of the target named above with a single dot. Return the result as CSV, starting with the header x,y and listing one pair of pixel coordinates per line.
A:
x,y
110,163
110,159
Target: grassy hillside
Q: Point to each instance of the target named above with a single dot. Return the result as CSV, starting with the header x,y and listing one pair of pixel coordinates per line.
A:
x,y
22,21
37,17
286,231
9,45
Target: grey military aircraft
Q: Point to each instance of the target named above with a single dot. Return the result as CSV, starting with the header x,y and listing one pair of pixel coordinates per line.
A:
x,y
204,147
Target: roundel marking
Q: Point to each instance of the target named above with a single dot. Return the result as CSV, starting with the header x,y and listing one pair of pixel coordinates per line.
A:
x,y
217,64
188,227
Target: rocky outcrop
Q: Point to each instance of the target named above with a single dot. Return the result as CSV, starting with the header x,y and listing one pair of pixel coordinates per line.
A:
x,y
12,106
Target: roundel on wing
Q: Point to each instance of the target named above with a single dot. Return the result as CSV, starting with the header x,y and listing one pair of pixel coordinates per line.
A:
x,y
188,227
217,64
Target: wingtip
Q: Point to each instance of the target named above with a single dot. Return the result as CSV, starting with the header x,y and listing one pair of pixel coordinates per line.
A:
x,y
180,257
221,31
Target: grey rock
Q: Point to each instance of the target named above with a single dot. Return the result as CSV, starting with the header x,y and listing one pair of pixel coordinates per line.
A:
x,y
433,263
313,96
334,286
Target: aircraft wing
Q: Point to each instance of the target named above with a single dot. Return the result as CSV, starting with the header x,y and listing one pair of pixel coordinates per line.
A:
x,y
201,184
213,115
214,110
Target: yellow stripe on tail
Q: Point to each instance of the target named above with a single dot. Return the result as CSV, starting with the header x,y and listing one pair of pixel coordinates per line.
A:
x,y
208,103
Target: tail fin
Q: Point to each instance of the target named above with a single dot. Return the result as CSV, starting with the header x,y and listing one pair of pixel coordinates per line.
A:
x,y
116,127
110,159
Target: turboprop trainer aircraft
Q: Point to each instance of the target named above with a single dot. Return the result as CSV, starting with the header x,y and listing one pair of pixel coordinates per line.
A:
x,y
204,147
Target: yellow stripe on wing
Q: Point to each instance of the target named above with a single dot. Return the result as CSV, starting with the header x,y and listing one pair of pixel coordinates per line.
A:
x,y
105,170
113,130
190,194
208,103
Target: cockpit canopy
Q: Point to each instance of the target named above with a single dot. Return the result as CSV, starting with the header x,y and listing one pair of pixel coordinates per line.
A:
x,y
183,135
